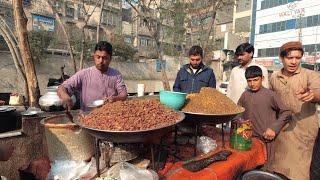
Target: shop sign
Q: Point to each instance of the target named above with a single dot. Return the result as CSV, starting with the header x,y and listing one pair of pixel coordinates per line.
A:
x,y
265,62
42,23
293,11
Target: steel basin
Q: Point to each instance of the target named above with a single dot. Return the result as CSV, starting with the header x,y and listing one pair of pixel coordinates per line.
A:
x,y
149,135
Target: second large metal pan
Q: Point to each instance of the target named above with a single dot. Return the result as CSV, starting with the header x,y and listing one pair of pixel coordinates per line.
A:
x,y
211,118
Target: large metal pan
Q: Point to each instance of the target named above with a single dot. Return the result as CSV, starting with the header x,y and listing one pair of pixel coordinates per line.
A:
x,y
211,118
148,135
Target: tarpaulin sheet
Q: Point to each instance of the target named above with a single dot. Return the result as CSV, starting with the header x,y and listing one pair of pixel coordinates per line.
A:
x,y
237,162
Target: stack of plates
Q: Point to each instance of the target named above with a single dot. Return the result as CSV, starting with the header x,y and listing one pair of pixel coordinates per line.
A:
x,y
7,108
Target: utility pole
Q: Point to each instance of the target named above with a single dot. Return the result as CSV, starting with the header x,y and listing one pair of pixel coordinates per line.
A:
x,y
300,28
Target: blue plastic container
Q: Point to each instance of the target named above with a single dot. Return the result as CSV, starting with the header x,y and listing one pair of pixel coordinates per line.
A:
x,y
175,100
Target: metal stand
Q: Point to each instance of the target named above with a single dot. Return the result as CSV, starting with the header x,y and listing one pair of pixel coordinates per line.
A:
x,y
196,140
197,133
222,135
97,155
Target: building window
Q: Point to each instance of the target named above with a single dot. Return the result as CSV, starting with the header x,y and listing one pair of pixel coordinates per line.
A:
x,y
81,13
265,4
268,52
128,40
26,2
309,49
145,41
158,65
69,11
58,7
290,24
302,22
111,18
315,20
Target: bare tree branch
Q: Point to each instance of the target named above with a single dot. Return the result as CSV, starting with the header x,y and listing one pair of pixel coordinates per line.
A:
x,y
155,35
83,41
100,17
12,44
64,30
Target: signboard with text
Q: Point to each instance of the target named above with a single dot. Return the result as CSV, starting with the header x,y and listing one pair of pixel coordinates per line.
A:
x,y
42,23
293,10
311,59
265,62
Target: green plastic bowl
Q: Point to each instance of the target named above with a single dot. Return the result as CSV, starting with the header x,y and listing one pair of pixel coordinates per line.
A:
x,y
175,100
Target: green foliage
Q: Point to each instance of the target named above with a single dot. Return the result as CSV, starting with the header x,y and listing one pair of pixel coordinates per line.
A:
x,y
123,50
170,49
75,37
174,14
89,50
39,42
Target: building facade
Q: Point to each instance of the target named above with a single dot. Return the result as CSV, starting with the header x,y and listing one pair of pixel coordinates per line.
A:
x,y
241,17
276,22
73,14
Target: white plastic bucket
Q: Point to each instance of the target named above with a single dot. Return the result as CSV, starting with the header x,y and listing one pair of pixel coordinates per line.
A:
x,y
141,89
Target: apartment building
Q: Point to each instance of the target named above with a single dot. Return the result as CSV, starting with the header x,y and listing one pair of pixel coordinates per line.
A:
x,y
279,21
142,26
73,13
242,18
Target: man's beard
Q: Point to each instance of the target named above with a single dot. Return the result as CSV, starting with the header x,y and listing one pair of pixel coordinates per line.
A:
x,y
102,68
193,67
196,66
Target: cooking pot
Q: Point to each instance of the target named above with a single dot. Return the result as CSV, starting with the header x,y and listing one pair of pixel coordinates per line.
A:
x,y
50,101
65,140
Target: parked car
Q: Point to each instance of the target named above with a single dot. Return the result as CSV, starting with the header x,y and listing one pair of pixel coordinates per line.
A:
x,y
223,87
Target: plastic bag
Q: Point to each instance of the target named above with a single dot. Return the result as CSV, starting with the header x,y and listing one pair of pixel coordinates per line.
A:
x,y
206,144
67,170
127,171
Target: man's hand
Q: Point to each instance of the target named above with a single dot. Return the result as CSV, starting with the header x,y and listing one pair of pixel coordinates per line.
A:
x,y
68,104
269,134
110,99
66,99
305,95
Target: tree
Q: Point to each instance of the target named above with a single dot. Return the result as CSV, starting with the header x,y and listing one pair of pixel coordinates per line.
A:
x,y
21,30
201,22
158,17
99,21
12,43
39,42
88,11
170,21
52,7
123,50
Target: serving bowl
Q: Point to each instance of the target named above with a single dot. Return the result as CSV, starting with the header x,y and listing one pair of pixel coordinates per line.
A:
x,y
175,100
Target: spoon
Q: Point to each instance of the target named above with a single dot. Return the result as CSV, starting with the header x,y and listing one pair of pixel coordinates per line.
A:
x,y
69,115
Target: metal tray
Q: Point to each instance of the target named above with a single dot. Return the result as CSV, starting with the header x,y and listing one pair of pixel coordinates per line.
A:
x,y
7,108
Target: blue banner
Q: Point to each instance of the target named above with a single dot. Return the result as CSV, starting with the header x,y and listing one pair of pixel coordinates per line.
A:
x,y
42,23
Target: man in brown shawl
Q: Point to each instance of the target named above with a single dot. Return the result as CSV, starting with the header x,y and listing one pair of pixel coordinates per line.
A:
x,y
299,90
265,109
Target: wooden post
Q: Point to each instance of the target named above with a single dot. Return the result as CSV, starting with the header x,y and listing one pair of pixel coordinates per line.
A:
x,y
21,30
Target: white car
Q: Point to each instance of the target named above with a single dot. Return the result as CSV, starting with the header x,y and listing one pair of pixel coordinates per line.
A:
x,y
223,87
